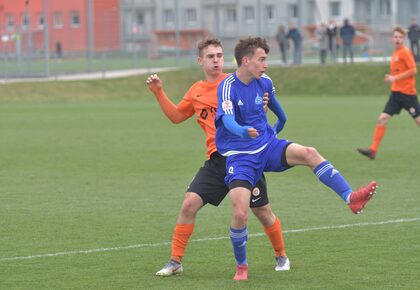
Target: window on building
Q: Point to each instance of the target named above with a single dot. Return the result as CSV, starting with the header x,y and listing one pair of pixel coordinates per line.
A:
x,y
231,16
270,12
294,11
58,20
385,7
40,21
10,22
74,19
25,21
168,17
191,16
139,18
249,13
335,8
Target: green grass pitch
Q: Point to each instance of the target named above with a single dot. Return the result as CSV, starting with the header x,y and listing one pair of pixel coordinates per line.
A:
x,y
92,176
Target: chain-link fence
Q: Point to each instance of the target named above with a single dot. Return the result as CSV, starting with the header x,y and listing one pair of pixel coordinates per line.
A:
x,y
56,37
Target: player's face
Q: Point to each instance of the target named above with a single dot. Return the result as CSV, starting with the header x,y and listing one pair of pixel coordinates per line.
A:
x,y
398,39
258,63
212,60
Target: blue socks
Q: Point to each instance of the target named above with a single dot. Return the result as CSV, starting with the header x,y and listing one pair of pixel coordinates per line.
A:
x,y
330,176
239,238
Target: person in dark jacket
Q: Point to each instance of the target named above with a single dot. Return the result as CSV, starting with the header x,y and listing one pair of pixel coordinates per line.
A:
x,y
332,39
347,33
283,42
296,37
414,35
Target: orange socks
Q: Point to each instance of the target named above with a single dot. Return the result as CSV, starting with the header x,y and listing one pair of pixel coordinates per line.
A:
x,y
275,235
182,234
377,137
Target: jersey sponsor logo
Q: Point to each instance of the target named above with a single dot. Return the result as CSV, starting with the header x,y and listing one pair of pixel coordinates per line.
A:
x,y
227,105
230,170
258,100
240,103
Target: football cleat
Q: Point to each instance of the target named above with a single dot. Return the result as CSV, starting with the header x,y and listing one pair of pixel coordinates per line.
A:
x,y
171,268
359,198
367,152
241,273
282,263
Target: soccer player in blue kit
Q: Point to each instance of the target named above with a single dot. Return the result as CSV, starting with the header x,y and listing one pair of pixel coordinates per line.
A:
x,y
249,142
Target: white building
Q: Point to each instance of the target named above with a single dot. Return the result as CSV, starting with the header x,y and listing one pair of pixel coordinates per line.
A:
x,y
230,19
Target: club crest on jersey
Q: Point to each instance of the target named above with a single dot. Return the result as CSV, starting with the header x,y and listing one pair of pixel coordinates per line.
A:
x,y
227,105
258,100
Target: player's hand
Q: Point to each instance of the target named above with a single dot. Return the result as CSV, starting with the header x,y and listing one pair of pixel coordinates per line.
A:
x,y
265,102
253,133
389,79
154,83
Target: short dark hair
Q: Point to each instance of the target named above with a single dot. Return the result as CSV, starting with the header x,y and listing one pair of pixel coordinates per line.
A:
x,y
206,43
247,47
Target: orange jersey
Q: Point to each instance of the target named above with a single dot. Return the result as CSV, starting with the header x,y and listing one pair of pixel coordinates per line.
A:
x,y
401,61
201,99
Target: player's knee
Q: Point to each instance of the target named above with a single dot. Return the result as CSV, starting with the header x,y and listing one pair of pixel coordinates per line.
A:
x,y
188,211
190,207
311,155
240,216
265,215
383,119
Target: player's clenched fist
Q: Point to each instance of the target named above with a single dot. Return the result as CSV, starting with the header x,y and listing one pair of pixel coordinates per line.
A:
x,y
154,83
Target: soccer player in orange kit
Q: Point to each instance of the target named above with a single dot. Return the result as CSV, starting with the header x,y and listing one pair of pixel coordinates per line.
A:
x,y
402,78
208,186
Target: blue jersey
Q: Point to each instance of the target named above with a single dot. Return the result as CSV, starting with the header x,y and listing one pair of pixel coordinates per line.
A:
x,y
245,103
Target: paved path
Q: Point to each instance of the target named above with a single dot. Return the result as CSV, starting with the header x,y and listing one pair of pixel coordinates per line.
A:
x,y
132,72
90,76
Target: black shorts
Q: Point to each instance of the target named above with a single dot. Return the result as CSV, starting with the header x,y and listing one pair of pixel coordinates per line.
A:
x,y
398,101
209,183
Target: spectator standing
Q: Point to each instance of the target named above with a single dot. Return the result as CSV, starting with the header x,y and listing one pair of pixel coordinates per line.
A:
x,y
347,33
323,42
414,35
296,37
283,42
58,50
332,39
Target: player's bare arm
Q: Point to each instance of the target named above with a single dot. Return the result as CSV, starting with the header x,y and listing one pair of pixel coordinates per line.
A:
x,y
171,111
390,79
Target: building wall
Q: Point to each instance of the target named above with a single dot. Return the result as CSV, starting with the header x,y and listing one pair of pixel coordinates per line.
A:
x,y
106,25
225,19
67,24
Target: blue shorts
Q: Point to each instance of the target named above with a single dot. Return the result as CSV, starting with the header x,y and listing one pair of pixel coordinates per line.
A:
x,y
250,167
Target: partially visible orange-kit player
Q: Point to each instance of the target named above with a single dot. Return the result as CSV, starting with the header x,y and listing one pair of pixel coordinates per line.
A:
x,y
402,78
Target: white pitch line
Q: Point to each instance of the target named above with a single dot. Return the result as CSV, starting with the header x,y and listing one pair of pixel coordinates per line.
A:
x,y
396,221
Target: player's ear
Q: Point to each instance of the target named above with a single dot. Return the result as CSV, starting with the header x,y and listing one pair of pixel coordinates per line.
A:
x,y
245,60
